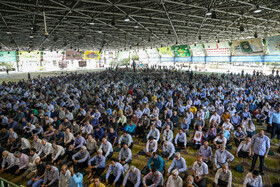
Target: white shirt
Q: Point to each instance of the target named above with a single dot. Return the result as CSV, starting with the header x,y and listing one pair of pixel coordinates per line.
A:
x,y
257,182
200,170
245,147
171,182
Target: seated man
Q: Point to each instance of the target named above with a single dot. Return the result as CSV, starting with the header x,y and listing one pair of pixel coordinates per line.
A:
x,y
91,145
167,134
206,152
175,119
67,157
21,164
154,132
51,177
112,136
116,177
106,148
98,134
38,178
253,179
80,159
174,180
58,152
151,147
79,142
178,163
261,117
46,151
200,170
58,137
221,157
126,138
186,124
154,178
181,140
220,140
96,164
31,168
132,178
168,150
157,162
244,149
125,155
130,128
239,136
223,177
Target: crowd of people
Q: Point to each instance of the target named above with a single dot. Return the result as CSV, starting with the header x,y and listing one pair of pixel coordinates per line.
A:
x,y
64,130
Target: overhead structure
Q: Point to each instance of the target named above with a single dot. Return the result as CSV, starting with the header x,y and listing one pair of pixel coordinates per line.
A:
x,y
120,24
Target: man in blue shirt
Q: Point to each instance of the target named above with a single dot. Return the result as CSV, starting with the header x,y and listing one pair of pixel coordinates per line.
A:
x,y
260,145
96,164
157,161
116,177
76,178
178,163
274,121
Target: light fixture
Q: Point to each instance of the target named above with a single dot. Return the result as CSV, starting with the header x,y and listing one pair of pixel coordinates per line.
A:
x,y
31,37
113,23
136,26
169,31
213,15
241,28
256,35
91,23
9,33
258,10
126,18
99,31
199,37
208,13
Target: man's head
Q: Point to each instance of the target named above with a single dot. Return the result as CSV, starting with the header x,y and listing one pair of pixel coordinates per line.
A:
x,y
177,155
44,141
32,151
64,169
175,173
96,181
48,166
199,160
111,129
37,161
224,168
151,139
248,139
5,154
155,155
104,140
222,135
125,146
99,153
261,133
205,144
83,148
222,148
190,179
54,145
113,161
154,170
132,169
255,174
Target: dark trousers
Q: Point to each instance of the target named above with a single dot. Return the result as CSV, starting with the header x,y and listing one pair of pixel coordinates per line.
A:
x,y
166,154
13,169
55,184
275,130
96,171
150,182
202,182
109,155
237,142
111,179
48,158
255,157
129,184
243,154
180,145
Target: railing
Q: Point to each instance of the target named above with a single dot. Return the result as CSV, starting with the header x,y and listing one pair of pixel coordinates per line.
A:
x,y
6,183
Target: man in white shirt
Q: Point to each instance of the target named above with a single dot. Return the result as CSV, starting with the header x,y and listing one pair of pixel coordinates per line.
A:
x,y
64,176
200,170
167,134
46,151
244,149
223,177
220,140
216,117
151,146
57,153
253,180
168,150
227,125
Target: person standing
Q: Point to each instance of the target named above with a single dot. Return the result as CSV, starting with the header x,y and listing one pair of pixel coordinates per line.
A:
x,y
260,145
274,121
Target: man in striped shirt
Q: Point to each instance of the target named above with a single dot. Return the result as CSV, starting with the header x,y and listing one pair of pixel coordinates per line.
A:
x,y
153,179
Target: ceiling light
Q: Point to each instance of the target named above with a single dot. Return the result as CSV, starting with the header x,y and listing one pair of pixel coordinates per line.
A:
x,y
256,34
91,23
258,10
208,13
199,37
241,28
136,26
113,23
31,37
126,18
99,32
9,33
169,31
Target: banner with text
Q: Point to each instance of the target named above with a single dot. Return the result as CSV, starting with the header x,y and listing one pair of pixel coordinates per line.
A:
x,y
165,52
217,49
197,50
74,55
181,51
273,44
32,56
92,55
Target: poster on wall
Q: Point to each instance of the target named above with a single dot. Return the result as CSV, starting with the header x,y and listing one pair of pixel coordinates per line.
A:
x,y
247,47
32,56
49,56
217,49
92,55
197,50
62,64
8,56
273,45
181,51
74,55
82,63
165,52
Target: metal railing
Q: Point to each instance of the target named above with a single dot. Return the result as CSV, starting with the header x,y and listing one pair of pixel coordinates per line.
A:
x,y
6,183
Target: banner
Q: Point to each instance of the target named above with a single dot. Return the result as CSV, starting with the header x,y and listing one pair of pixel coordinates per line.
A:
x,y
197,50
74,55
256,58
181,51
62,64
247,47
55,55
32,56
273,45
8,56
153,53
218,59
217,49
83,63
165,52
92,55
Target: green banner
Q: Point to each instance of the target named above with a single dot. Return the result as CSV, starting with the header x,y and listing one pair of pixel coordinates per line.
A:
x,y
181,51
8,56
